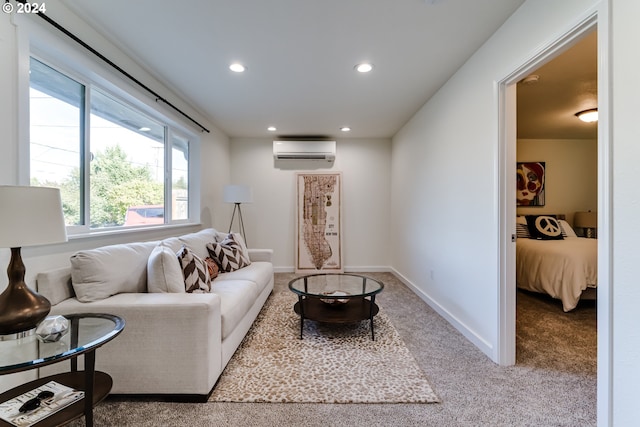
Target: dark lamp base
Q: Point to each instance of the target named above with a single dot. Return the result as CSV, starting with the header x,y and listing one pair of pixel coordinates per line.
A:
x,y
21,308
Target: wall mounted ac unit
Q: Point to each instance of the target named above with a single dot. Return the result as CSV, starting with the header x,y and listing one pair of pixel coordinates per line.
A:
x,y
304,150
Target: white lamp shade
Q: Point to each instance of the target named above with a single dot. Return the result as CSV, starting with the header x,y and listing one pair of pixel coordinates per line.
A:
x,y
238,194
30,216
585,220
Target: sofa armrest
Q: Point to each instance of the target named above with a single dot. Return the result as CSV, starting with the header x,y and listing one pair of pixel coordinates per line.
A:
x,y
177,335
260,255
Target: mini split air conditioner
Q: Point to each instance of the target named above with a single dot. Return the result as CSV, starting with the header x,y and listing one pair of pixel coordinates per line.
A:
x,y
304,150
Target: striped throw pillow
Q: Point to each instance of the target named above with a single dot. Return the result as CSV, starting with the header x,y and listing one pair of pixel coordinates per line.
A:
x,y
522,231
229,254
195,271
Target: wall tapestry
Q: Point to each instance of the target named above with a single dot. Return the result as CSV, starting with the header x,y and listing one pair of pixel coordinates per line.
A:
x,y
319,223
530,187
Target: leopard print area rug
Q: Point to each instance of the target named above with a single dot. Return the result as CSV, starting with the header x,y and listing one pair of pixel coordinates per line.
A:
x,y
331,364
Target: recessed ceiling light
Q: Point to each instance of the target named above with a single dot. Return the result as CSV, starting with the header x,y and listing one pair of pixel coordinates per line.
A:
x,y
345,128
272,129
365,67
237,67
144,129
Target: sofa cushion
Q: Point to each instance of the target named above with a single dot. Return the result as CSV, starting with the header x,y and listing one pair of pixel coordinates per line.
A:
x,y
195,271
258,272
236,298
197,242
164,273
230,254
99,273
55,285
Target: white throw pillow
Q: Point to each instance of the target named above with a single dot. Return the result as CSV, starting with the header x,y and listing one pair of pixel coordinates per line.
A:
x,y
164,273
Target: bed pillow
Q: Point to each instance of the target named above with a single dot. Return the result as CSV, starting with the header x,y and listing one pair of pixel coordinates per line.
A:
x,y
544,227
522,229
567,231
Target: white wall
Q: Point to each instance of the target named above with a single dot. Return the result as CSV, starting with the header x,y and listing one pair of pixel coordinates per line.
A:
x,y
270,219
444,220
624,348
571,175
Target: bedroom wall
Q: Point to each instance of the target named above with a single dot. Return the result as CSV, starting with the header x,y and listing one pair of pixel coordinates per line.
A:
x,y
571,174
270,220
444,195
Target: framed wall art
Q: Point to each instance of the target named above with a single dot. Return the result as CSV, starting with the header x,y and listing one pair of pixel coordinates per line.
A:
x,y
319,223
531,185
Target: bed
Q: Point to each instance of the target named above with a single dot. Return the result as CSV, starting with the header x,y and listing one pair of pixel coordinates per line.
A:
x,y
563,268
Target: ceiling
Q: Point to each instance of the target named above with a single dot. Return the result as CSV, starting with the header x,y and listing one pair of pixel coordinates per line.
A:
x,y
566,85
300,57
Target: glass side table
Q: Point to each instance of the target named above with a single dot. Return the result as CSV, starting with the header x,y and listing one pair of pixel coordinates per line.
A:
x,y
86,333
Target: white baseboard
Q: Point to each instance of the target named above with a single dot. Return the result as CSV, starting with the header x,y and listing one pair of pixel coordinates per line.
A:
x,y
465,330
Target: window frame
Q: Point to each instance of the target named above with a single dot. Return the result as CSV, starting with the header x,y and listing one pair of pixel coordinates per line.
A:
x,y
61,55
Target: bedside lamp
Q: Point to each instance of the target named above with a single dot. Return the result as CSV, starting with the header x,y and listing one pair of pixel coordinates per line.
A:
x,y
238,194
588,221
29,216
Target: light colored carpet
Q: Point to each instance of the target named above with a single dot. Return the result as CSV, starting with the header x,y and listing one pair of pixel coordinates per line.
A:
x,y
546,388
331,364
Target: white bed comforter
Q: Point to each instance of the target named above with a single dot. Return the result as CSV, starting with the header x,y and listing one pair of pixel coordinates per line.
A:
x,y
560,268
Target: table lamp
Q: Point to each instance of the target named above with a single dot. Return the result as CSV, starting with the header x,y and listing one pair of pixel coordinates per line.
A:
x,y
238,194
29,216
587,221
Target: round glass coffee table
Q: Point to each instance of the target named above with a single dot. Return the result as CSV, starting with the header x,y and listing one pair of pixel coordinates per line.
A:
x,y
86,333
336,298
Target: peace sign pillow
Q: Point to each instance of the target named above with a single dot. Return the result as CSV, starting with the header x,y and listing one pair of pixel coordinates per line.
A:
x,y
544,227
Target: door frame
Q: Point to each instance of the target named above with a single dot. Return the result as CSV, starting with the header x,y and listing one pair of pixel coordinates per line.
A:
x,y
506,345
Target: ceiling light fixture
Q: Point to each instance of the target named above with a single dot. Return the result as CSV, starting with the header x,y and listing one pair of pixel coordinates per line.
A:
x,y
144,129
365,67
272,129
237,67
530,79
345,128
588,116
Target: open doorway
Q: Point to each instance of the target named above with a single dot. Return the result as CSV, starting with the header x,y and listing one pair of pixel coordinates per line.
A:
x,y
506,349
557,158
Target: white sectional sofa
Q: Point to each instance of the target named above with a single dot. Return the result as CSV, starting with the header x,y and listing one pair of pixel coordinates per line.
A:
x,y
174,343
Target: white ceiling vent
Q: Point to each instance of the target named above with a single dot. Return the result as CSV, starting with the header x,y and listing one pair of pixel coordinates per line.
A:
x,y
304,150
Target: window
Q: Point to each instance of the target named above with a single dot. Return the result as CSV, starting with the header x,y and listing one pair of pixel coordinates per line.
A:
x,y
116,165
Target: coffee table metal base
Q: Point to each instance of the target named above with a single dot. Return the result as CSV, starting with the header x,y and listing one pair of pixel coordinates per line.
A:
x,y
355,310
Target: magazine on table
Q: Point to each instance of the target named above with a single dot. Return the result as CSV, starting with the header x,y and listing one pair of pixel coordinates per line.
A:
x,y
37,404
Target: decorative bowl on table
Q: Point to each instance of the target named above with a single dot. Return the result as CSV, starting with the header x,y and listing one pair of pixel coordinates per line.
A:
x,y
335,301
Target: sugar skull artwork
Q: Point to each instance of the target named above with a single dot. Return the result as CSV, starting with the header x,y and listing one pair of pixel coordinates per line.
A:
x,y
530,186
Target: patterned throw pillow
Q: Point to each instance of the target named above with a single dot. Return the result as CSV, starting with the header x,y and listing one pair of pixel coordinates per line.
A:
x,y
522,231
195,271
229,254
544,227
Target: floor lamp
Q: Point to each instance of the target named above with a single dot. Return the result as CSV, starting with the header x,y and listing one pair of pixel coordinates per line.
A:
x,y
238,194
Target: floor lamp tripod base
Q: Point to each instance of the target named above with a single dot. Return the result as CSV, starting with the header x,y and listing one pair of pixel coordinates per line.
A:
x,y
237,208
